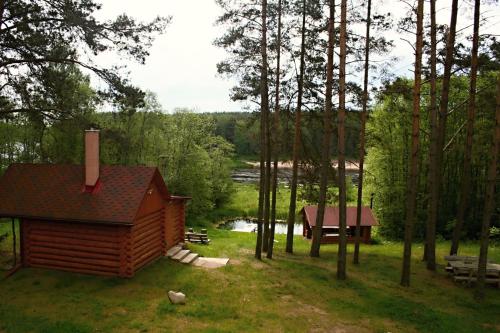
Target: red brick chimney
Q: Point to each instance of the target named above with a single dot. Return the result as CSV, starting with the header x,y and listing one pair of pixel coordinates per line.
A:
x,y
91,158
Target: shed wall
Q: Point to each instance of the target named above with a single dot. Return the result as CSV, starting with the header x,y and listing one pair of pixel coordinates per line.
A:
x,y
174,222
148,238
82,248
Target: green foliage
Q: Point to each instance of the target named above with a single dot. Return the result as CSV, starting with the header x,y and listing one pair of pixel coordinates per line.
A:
x,y
40,36
193,160
388,142
388,131
310,193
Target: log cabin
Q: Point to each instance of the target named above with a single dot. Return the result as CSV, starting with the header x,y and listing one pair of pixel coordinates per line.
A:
x,y
331,223
103,220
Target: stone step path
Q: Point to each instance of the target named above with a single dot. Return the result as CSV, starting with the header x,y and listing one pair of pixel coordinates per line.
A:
x,y
181,254
190,258
177,253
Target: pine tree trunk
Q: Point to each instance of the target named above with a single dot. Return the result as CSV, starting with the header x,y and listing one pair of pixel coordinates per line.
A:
x,y
296,141
471,113
362,135
411,198
489,200
441,135
325,160
342,252
267,184
264,109
432,111
277,139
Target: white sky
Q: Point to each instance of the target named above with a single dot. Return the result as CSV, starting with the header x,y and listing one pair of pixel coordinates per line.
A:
x,y
181,68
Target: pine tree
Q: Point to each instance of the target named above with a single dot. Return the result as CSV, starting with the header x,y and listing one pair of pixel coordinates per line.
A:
x,y
276,138
297,135
342,252
362,135
489,200
325,160
413,158
264,110
438,149
471,113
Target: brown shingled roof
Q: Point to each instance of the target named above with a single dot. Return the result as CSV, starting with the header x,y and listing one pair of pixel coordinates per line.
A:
x,y
57,192
331,217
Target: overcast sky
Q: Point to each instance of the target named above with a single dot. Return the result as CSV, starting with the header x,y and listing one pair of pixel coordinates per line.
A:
x,y
181,69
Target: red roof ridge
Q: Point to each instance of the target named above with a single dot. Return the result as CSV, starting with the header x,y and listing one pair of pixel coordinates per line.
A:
x,y
53,192
331,215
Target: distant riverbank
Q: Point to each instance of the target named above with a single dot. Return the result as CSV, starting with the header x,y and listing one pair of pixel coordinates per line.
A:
x,y
349,165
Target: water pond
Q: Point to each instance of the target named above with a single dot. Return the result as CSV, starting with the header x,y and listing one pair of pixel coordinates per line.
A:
x,y
242,225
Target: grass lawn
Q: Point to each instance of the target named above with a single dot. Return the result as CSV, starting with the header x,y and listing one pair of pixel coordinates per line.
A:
x,y
292,293
243,202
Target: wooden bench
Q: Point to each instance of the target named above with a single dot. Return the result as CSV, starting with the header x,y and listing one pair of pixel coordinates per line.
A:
x,y
466,271
199,238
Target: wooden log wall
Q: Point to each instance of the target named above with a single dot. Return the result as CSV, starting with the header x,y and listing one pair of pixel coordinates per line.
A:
x,y
174,223
148,239
82,248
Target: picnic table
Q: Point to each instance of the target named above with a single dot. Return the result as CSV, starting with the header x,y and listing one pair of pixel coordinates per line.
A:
x,y
194,237
464,269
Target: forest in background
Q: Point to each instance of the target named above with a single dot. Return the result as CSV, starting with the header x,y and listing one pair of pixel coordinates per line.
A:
x,y
48,104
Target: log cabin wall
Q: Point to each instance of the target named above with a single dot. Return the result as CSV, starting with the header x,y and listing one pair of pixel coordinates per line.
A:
x,y
148,239
75,247
148,232
174,222
111,250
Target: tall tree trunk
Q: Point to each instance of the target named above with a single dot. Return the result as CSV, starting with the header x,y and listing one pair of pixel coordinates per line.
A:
x,y
297,135
411,199
489,200
441,135
277,139
264,109
362,135
432,110
325,157
267,183
342,252
471,113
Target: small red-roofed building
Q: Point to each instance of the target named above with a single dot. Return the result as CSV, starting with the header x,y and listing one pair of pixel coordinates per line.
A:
x,y
94,219
331,223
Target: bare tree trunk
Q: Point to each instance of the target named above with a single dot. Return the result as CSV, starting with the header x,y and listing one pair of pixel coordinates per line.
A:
x,y
466,173
267,184
441,134
489,200
432,111
362,135
277,139
342,252
411,198
296,141
264,109
325,160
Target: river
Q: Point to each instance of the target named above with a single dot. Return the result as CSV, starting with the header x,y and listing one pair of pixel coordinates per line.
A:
x,y
252,175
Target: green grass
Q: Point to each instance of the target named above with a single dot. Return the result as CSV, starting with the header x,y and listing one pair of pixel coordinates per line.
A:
x,y
243,203
240,162
292,293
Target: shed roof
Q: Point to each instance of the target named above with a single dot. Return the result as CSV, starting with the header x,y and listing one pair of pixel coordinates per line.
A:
x,y
331,218
57,192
